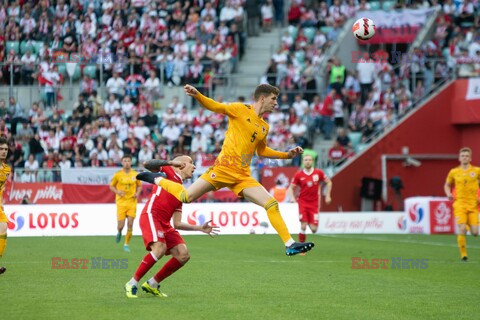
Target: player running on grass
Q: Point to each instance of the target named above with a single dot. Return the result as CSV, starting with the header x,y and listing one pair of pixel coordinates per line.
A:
x,y
4,173
465,179
127,190
247,133
159,236
309,180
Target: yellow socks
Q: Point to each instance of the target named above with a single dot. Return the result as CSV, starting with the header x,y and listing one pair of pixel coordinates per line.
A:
x,y
128,236
175,189
277,221
3,243
462,244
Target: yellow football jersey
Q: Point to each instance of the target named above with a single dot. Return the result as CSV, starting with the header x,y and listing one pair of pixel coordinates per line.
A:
x,y
465,183
126,182
4,173
246,130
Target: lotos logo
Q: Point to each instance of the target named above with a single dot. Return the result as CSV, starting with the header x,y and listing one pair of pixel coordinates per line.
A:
x,y
194,220
402,223
16,224
416,213
442,214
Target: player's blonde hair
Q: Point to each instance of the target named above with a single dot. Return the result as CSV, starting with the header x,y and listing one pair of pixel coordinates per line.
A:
x,y
466,149
265,90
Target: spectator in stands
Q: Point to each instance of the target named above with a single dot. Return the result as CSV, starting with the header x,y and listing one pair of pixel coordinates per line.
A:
x,y
16,113
368,132
343,139
25,133
337,154
358,119
31,166
65,163
199,143
327,115
94,161
171,132
28,67
115,154
116,85
366,73
45,175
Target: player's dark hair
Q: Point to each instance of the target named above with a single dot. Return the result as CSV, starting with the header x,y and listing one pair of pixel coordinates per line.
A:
x,y
129,156
466,149
265,90
3,140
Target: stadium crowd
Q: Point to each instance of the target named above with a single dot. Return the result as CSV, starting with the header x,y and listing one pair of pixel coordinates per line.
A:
x,y
362,102
159,37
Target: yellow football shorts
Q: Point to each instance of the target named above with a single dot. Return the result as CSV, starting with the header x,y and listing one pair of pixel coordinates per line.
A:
x,y
3,216
224,177
126,210
465,214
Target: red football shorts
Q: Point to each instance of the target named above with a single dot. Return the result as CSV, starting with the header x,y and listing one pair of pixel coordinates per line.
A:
x,y
308,214
152,232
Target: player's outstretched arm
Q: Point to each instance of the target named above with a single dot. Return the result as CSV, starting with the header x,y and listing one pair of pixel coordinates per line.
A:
x,y
205,228
155,164
267,152
206,102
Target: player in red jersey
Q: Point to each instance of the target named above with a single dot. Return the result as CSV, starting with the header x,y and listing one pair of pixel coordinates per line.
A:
x,y
159,236
309,181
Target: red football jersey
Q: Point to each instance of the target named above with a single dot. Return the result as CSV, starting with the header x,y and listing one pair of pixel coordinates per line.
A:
x,y
309,184
161,205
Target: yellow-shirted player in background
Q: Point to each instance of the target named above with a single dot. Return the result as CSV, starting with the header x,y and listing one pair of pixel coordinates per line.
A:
x,y
4,173
127,189
247,133
465,180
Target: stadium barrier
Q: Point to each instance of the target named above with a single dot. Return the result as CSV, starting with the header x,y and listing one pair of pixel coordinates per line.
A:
x,y
232,218
427,215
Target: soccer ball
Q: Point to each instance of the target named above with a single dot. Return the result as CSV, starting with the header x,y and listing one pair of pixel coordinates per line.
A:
x,y
363,29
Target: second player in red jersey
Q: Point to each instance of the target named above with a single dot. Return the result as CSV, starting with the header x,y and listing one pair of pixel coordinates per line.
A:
x,y
309,181
159,236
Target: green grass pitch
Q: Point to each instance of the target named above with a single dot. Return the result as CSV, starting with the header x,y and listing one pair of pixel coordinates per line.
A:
x,y
246,277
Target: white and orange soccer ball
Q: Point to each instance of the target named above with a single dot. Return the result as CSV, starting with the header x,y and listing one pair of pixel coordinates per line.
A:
x,y
363,29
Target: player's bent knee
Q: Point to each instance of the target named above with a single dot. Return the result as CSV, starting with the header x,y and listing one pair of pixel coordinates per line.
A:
x,y
183,257
158,249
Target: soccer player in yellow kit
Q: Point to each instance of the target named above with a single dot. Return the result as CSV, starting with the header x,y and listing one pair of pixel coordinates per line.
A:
x,y
127,190
247,133
4,173
465,179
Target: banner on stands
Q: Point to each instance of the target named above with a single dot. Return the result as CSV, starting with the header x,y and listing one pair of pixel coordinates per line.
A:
x,y
88,175
270,176
101,219
473,89
231,218
418,214
366,223
35,193
442,219
396,26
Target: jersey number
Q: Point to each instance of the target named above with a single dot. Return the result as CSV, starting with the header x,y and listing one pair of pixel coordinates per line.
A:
x,y
254,136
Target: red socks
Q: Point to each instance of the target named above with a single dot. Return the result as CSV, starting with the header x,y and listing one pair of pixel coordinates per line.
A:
x,y
302,237
170,267
147,263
